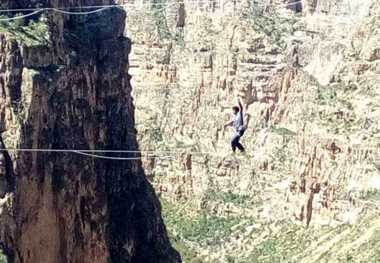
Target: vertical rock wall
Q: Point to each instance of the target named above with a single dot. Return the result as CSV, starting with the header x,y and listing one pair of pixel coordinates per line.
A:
x,y
290,68
72,91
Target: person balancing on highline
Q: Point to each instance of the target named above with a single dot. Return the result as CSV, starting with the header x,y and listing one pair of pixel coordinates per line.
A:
x,y
238,124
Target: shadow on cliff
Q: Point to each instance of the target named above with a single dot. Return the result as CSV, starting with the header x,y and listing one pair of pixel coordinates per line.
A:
x,y
82,100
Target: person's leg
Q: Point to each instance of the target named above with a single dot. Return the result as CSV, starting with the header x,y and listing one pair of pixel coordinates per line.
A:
x,y
239,145
234,142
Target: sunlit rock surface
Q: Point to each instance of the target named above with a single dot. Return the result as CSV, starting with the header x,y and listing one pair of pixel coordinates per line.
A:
x,y
308,75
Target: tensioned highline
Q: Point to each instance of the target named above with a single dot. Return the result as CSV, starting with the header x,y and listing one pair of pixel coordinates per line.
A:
x,y
91,153
148,152
136,4
100,8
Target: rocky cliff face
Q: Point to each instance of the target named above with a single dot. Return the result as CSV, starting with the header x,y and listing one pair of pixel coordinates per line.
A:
x,y
308,75
65,85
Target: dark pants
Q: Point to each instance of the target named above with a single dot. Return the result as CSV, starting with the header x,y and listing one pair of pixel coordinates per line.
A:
x,y
235,141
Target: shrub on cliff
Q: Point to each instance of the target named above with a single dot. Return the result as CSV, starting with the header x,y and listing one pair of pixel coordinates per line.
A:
x,y
31,32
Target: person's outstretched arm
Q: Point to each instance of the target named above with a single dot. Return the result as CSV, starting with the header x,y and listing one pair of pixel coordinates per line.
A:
x,y
241,111
228,124
240,106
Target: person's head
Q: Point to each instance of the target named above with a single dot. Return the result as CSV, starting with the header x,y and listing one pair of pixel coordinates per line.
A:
x,y
235,109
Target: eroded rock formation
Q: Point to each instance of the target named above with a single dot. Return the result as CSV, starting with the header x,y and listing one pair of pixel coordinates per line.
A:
x,y
308,75
70,89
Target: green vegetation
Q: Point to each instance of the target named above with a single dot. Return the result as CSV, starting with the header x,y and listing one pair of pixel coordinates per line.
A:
x,y
371,195
160,15
187,254
289,243
241,200
3,259
172,219
283,131
291,240
208,228
201,227
276,29
190,230
326,96
155,134
29,32
359,243
280,154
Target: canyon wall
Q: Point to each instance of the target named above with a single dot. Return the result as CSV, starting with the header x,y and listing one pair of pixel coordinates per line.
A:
x,y
64,85
308,76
